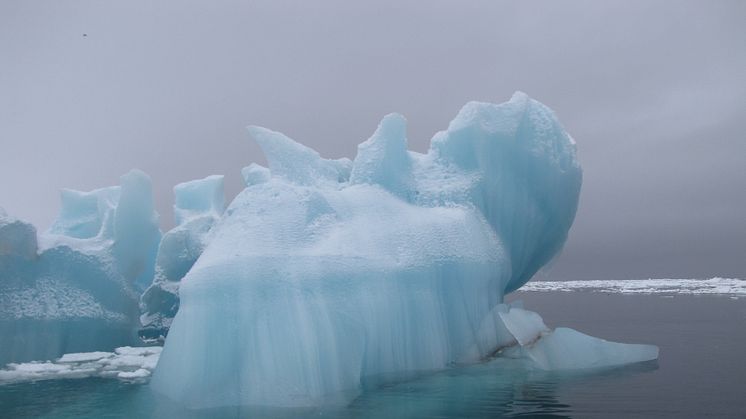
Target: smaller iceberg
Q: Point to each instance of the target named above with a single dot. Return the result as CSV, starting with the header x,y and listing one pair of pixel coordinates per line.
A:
x,y
199,205
76,287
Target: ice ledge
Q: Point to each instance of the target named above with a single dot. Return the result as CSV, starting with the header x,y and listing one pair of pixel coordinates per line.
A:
x,y
563,348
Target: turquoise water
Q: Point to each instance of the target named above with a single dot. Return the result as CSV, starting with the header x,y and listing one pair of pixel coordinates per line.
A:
x,y
700,373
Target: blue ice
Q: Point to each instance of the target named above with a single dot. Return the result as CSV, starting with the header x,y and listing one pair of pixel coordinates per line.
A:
x,y
323,276
198,206
76,287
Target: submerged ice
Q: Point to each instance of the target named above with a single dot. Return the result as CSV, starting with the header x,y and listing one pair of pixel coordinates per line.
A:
x,y
323,276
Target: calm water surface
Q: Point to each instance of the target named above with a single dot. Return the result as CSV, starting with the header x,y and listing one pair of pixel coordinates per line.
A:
x,y
701,373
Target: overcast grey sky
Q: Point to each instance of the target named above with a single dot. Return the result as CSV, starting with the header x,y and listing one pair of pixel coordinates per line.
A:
x,y
654,92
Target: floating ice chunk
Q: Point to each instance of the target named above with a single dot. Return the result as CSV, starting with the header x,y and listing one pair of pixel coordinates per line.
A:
x,y
40,368
126,363
123,362
83,357
568,349
138,350
141,373
199,205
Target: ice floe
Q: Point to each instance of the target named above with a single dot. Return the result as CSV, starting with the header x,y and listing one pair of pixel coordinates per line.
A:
x,y
125,363
714,286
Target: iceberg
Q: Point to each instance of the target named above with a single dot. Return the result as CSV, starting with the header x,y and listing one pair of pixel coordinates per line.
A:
x,y
76,287
199,205
325,276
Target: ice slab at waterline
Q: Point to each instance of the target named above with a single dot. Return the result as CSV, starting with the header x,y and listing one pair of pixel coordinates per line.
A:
x,y
76,287
713,286
324,274
125,363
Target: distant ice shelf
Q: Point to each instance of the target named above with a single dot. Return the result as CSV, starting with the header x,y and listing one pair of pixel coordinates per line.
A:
x,y
125,363
713,286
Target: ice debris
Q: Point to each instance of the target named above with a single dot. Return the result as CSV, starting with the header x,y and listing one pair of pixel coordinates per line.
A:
x,y
125,363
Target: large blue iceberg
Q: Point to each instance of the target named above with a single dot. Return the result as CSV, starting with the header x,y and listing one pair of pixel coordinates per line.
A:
x,y
326,276
76,287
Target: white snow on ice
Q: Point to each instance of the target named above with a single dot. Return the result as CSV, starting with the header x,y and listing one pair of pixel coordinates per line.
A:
x,y
713,286
126,363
